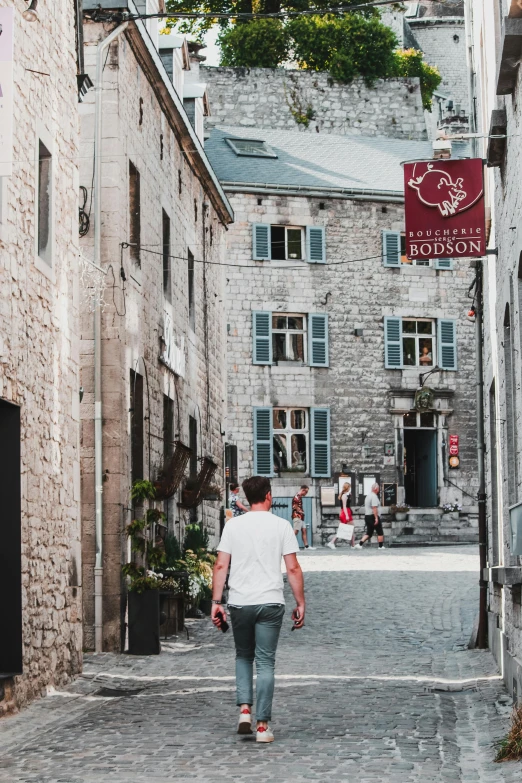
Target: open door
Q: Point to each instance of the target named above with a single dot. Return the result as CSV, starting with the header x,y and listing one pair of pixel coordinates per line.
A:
x,y
420,480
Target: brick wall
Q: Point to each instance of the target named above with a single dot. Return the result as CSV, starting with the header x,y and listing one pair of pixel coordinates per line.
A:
x,y
273,98
132,325
39,350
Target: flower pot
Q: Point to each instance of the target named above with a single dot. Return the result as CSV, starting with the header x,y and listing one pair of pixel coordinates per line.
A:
x,y
446,516
144,623
454,514
401,516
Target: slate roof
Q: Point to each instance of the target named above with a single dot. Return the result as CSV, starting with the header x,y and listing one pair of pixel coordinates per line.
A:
x,y
316,160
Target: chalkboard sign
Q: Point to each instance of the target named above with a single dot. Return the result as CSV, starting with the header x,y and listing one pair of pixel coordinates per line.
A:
x,y
389,494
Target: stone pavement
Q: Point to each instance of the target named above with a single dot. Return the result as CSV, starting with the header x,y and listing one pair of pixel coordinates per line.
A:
x,y
379,686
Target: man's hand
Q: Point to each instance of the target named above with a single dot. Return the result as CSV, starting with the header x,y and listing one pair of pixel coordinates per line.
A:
x,y
218,615
298,616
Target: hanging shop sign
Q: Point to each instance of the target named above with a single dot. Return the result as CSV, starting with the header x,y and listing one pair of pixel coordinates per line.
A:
x,y
454,445
6,91
444,206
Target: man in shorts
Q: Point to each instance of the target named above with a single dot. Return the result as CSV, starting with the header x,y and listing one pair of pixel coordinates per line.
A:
x,y
298,515
371,517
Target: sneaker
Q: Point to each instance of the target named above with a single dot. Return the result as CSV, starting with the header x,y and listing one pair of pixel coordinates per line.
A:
x,y
264,734
381,547
310,547
331,545
359,545
244,725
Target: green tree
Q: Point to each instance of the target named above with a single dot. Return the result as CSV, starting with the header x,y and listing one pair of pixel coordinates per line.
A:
x,y
346,46
410,62
262,43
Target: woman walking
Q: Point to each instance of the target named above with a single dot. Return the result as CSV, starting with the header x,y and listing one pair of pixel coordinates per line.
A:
x,y
346,528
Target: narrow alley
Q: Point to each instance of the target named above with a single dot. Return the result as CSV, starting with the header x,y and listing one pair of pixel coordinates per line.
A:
x,y
379,686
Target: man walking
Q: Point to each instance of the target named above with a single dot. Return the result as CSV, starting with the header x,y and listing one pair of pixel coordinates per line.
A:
x,y
254,545
371,517
298,515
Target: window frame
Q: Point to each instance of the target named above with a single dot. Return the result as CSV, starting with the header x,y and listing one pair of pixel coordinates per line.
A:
x,y
46,266
302,231
191,290
134,183
287,333
418,337
288,431
269,153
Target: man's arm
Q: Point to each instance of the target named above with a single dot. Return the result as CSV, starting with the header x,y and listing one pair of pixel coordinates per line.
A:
x,y
296,582
376,514
219,577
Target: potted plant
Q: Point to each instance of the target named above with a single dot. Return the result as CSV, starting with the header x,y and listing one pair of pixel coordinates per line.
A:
x,y
400,512
213,492
451,510
145,578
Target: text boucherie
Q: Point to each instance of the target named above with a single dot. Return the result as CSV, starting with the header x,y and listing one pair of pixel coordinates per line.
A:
x,y
448,242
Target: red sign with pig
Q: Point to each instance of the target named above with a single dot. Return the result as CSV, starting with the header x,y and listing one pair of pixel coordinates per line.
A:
x,y
444,205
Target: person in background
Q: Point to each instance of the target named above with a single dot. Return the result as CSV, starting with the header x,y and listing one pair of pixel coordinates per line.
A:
x,y
345,531
298,515
235,504
254,546
372,518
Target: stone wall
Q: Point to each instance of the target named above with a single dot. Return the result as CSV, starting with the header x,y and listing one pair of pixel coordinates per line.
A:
x,y
39,351
134,321
443,41
281,98
356,295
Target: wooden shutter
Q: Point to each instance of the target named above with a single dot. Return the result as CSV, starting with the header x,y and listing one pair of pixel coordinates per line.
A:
x,y
320,442
315,245
261,242
447,339
261,337
391,248
443,263
263,442
318,340
392,342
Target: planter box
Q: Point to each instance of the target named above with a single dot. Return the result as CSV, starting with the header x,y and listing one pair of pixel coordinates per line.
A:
x,y
172,613
401,516
144,623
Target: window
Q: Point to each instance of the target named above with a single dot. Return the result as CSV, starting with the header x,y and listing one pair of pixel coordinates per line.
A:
x,y
292,440
167,283
136,411
415,419
493,467
288,243
168,428
394,253
193,445
134,213
191,300
509,384
418,343
288,338
45,204
251,148
290,427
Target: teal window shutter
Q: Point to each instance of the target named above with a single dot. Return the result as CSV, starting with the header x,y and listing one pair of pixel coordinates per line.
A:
x,y
318,340
443,263
261,337
392,342
391,248
447,339
263,442
320,442
315,245
261,242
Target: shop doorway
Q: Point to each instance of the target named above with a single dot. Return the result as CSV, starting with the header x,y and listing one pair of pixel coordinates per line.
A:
x,y
282,507
420,467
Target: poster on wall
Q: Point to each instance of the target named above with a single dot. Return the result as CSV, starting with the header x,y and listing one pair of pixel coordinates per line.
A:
x,y
444,209
6,91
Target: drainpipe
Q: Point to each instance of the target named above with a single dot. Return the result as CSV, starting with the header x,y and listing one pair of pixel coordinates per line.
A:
x,y
98,433
482,634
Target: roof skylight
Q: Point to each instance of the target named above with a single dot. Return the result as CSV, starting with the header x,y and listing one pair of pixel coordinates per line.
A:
x,y
254,148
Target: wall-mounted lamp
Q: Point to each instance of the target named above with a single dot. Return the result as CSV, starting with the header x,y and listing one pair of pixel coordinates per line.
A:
x,y
30,14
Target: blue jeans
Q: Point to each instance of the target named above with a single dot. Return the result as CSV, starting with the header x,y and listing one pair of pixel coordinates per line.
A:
x,y
256,633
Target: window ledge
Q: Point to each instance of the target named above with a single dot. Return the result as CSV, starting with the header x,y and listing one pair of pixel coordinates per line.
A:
x,y
504,575
511,49
45,268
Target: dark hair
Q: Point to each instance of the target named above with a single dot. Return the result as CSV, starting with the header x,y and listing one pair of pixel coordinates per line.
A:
x,y
305,486
233,486
256,488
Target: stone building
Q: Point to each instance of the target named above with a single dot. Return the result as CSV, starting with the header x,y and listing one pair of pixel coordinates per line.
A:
x,y
497,45
40,558
331,331
162,347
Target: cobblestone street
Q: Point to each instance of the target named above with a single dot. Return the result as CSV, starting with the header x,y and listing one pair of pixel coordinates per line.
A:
x,y
379,686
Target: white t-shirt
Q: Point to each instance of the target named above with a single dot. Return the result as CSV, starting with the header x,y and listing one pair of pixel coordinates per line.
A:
x,y
256,542
371,500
